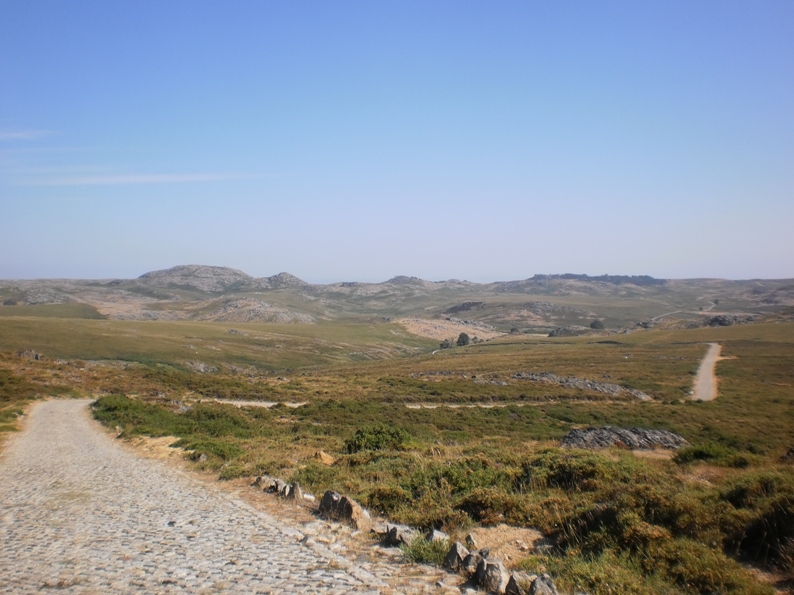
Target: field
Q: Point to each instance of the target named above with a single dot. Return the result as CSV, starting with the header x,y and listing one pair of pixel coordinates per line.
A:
x,y
458,437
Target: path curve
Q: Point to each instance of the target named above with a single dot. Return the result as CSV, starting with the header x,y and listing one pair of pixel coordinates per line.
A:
x,y
705,388
80,514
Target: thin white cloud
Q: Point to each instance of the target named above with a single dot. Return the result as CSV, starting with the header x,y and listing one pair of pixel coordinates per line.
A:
x,y
130,179
24,134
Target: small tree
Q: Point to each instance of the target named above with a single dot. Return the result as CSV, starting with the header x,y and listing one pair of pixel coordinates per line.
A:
x,y
463,340
597,324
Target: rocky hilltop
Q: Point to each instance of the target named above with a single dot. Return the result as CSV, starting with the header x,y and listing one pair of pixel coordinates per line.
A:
x,y
198,277
215,279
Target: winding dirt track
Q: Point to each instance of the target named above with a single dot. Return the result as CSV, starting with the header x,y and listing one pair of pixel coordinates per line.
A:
x,y
705,388
80,514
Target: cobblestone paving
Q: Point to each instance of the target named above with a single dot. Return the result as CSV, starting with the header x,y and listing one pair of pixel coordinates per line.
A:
x,y
79,514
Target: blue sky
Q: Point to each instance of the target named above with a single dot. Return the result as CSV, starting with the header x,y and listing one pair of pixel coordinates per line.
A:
x,y
360,140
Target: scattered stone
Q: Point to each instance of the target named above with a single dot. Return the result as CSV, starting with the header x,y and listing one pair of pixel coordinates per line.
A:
x,y
203,458
335,506
633,438
397,535
309,497
263,481
435,535
471,543
543,585
455,557
582,383
470,563
519,583
324,458
480,572
494,577
295,492
278,486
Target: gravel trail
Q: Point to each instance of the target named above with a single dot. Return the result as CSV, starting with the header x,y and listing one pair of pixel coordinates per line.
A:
x,y
705,388
80,514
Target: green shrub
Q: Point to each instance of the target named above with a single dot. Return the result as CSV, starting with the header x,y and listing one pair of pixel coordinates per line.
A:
x,y
762,524
576,470
15,388
218,448
378,437
387,498
491,506
422,551
604,574
714,453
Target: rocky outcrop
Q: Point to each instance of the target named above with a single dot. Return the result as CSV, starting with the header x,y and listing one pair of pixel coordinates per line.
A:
x,y
279,281
464,307
569,331
582,383
194,276
253,310
729,320
215,279
633,438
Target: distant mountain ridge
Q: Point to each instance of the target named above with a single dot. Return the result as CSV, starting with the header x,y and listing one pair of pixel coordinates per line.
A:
x,y
639,280
541,303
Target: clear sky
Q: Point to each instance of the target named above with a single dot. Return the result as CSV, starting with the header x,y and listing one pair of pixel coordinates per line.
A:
x,y
353,141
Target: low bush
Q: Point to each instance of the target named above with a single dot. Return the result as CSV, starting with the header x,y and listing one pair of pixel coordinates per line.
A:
x,y
378,437
15,388
761,525
423,551
715,454
224,450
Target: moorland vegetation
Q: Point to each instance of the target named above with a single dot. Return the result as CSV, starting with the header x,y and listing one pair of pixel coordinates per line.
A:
x,y
455,438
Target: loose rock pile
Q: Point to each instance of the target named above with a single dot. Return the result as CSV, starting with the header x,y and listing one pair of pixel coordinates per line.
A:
x,y
633,438
492,576
282,489
582,383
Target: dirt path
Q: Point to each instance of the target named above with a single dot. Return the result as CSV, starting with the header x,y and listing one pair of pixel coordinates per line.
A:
x,y
705,387
81,514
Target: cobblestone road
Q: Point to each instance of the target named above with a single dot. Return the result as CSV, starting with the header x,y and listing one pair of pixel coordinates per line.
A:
x,y
79,514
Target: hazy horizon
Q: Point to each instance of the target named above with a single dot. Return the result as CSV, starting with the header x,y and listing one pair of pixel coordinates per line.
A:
x,y
331,281
361,140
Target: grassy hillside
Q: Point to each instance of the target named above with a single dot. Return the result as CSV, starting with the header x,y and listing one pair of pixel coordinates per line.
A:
x,y
457,437
260,346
